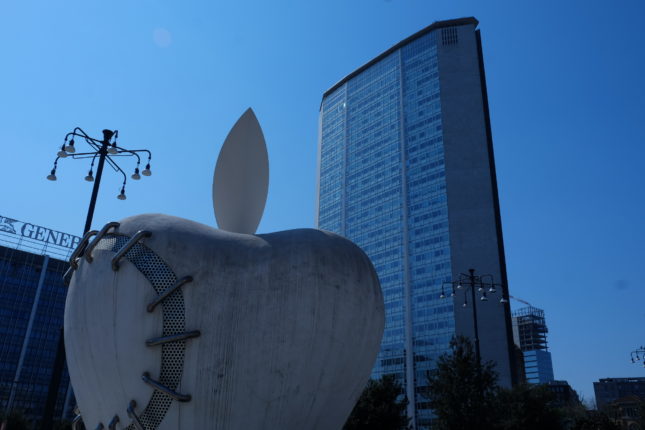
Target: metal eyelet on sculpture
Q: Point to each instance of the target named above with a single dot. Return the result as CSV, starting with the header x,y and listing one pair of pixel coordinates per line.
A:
x,y
160,387
133,241
97,239
74,259
133,415
113,422
173,338
151,307
77,419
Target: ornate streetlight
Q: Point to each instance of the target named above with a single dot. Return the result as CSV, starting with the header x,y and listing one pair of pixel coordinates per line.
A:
x,y
484,285
106,150
638,355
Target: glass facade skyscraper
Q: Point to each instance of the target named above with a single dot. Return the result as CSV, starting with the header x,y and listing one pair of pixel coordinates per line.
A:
x,y
32,303
406,171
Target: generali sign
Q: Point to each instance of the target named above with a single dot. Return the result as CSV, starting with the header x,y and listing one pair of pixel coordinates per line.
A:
x,y
36,232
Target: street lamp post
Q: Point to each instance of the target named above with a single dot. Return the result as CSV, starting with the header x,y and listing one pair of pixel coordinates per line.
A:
x,y
638,355
485,285
106,150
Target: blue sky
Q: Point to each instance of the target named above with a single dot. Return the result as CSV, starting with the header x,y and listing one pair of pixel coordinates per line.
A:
x,y
567,101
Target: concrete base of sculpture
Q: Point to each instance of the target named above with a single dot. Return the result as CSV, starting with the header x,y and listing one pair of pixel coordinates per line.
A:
x,y
206,329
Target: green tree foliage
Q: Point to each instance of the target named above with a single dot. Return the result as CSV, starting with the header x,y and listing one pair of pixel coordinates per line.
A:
x,y
527,407
641,414
595,420
380,407
15,420
465,396
461,391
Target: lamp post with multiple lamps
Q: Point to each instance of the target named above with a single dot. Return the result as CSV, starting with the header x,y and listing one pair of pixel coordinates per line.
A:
x,y
484,285
636,357
106,150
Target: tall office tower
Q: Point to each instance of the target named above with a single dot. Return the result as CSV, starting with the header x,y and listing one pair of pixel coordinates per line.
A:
x,y
406,171
33,260
529,333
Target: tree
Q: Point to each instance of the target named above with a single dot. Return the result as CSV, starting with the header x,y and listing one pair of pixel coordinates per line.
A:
x,y
527,407
380,407
595,420
462,391
14,420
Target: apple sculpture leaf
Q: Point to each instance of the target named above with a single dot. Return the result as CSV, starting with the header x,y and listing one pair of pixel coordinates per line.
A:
x,y
241,179
171,324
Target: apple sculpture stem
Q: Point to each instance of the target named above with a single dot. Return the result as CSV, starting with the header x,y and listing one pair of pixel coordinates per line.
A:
x,y
176,325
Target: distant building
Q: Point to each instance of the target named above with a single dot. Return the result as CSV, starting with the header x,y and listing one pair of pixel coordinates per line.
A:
x,y
626,412
564,394
33,260
609,390
407,172
529,333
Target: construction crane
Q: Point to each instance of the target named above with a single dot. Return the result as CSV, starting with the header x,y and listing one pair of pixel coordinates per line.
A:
x,y
520,300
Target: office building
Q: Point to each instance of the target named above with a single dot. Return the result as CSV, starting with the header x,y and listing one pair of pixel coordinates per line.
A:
x,y
609,390
33,260
406,171
529,333
563,394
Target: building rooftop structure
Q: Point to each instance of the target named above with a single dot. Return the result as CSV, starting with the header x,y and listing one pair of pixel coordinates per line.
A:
x,y
529,333
432,27
531,328
36,239
608,390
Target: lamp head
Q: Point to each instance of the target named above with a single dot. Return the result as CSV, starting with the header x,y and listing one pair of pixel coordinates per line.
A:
x,y
70,147
121,195
62,153
107,135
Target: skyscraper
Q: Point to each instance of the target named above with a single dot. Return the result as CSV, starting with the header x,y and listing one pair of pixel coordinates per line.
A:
x,y
529,333
406,171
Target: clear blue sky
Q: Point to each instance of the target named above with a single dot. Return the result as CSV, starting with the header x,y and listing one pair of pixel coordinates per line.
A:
x,y
567,99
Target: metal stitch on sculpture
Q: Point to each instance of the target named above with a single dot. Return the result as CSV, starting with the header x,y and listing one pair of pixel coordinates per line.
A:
x,y
77,419
160,387
136,422
124,250
113,422
97,239
151,307
73,260
173,338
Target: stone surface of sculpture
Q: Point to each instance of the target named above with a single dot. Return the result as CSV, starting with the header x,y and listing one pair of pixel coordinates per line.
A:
x,y
172,324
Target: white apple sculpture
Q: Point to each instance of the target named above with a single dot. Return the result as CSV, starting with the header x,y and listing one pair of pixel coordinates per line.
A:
x,y
171,324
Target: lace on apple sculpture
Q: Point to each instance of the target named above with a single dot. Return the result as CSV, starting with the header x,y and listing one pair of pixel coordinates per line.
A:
x,y
169,295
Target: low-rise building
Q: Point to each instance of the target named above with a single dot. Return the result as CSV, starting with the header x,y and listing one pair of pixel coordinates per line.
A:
x,y
33,260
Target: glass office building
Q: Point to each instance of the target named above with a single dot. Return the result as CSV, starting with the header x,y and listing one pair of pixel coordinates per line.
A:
x,y
529,333
33,260
406,171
